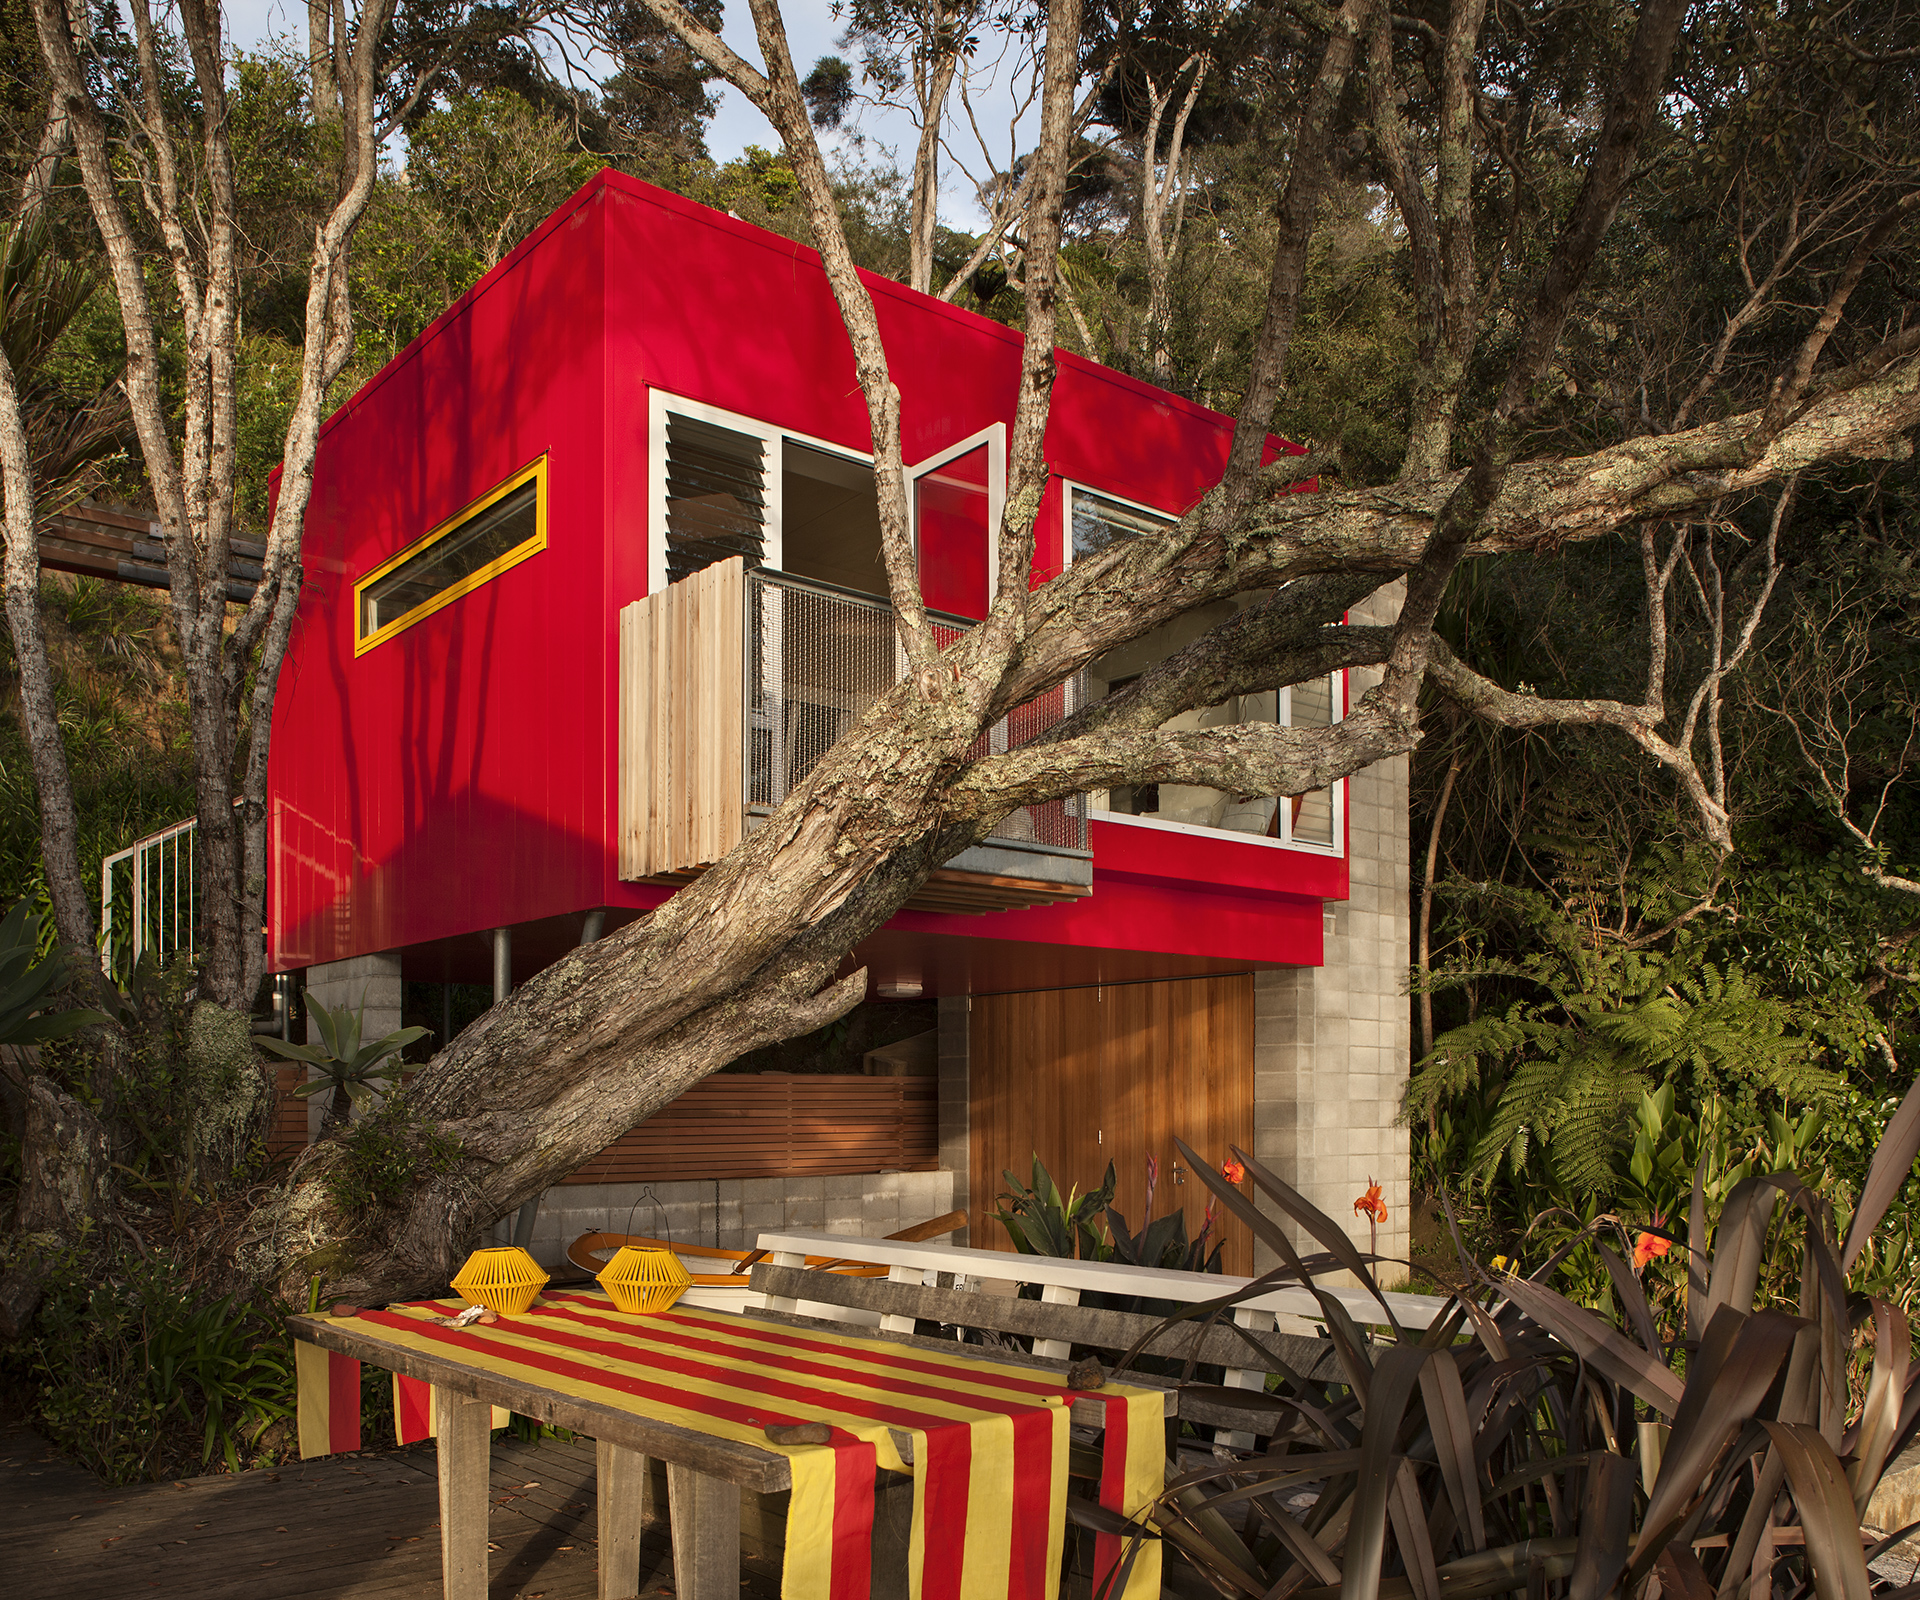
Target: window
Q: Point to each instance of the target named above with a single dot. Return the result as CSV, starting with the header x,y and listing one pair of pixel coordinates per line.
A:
x,y
725,485
498,531
1095,522
958,494
716,496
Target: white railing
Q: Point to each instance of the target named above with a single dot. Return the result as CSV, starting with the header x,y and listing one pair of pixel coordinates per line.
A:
x,y
147,899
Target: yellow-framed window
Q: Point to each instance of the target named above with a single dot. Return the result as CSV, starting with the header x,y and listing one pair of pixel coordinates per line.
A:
x,y
499,530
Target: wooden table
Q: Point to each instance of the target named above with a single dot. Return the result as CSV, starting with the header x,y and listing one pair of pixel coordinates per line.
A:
x,y
694,1389
705,1474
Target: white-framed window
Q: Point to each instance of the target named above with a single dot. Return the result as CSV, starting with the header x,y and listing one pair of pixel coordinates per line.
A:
x,y
958,495
1093,520
723,484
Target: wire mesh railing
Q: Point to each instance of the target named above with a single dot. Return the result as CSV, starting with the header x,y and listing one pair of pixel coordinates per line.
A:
x,y
818,656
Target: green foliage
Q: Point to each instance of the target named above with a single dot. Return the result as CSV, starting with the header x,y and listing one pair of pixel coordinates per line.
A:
x,y
28,977
140,1375
347,1068
377,1160
1162,1243
1597,1025
1043,1222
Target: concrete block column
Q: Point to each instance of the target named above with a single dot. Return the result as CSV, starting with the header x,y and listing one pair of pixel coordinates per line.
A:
x,y
369,984
954,1016
1332,1044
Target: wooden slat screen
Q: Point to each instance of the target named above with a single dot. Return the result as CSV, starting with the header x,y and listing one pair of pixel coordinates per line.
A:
x,y
682,803
1112,1073
287,1131
769,1125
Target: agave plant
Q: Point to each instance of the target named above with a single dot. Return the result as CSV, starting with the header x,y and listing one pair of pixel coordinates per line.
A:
x,y
1523,1444
344,1065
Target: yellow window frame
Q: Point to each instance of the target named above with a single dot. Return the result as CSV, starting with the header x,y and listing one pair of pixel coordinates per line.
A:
x,y
536,472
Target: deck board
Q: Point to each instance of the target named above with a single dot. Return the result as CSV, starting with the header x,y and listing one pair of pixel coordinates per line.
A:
x,y
362,1527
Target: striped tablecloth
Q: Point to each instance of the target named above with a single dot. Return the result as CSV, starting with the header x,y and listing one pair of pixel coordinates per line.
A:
x,y
988,1448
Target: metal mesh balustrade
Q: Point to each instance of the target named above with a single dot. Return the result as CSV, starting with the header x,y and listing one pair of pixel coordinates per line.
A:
x,y
817,657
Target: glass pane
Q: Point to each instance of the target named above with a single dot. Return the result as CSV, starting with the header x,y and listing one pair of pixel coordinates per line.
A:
x,y
1313,704
1099,522
1312,707
1313,817
505,524
716,496
950,506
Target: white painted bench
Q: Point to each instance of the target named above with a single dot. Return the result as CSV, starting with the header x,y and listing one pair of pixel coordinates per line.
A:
x,y
914,1290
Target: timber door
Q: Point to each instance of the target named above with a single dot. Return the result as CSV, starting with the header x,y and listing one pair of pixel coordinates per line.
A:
x,y
1086,1076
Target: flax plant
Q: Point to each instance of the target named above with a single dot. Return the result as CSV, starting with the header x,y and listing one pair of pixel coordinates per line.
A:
x,y
1522,1443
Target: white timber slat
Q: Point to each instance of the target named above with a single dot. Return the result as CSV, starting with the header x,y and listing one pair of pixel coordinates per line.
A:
x,y
785,1258
917,1276
1109,1277
1246,1377
1054,1294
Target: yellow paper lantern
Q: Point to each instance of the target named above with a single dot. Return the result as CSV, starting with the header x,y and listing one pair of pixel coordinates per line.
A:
x,y
640,1280
503,1278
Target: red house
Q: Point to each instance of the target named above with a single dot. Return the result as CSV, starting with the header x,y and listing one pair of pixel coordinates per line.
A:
x,y
593,575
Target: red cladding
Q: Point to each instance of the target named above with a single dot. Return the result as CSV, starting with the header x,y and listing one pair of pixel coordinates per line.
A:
x,y
460,775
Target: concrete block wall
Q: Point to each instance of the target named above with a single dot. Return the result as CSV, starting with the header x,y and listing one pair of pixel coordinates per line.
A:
x,y
369,984
1332,1044
733,1212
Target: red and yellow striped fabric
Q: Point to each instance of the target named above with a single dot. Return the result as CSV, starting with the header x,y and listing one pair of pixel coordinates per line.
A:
x,y
413,1418
988,1449
327,1387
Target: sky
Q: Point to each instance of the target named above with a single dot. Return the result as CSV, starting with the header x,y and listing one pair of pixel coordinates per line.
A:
x,y
811,31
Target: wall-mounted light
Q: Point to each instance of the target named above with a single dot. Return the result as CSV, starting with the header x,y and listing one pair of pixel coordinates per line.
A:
x,y
900,989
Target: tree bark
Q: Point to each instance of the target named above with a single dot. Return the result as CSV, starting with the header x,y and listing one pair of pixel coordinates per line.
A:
x,y
1423,961
322,87
924,212
39,709
63,1160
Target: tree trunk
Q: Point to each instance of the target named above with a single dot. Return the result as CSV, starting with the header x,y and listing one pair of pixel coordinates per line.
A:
x,y
322,86
1424,963
39,711
924,213
63,1160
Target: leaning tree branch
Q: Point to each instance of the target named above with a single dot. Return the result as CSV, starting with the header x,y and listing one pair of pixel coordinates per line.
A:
x,y
1307,176
1505,708
1027,468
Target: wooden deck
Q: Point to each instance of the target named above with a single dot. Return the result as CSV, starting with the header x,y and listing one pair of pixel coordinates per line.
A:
x,y
363,1527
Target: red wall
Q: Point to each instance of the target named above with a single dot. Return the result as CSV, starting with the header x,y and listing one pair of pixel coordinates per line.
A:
x,y
460,776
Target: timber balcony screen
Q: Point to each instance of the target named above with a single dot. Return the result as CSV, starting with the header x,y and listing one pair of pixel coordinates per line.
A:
x,y
734,684
771,1125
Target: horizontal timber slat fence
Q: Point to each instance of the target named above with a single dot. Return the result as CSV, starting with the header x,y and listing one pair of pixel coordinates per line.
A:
x,y
770,1125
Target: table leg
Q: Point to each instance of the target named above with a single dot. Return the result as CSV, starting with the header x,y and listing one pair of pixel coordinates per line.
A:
x,y
620,1490
706,1535
464,1430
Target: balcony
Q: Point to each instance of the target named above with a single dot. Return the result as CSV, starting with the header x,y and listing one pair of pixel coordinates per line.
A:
x,y
733,685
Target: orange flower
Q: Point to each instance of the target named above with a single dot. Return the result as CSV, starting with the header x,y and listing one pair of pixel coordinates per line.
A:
x,y
1649,1246
1233,1171
1370,1204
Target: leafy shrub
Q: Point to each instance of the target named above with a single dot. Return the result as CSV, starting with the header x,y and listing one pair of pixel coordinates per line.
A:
x,y
142,1377
376,1160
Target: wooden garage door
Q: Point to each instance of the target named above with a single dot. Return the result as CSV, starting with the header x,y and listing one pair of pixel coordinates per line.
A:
x,y
1088,1076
